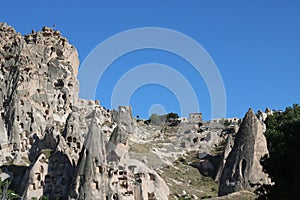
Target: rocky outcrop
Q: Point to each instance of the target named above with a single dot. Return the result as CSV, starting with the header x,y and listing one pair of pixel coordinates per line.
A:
x,y
69,147
224,156
38,87
105,170
242,168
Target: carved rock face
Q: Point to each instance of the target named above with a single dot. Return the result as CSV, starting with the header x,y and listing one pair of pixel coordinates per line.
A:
x,y
242,167
38,84
71,148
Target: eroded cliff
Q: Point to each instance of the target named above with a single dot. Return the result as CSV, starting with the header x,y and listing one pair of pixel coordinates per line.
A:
x,y
66,147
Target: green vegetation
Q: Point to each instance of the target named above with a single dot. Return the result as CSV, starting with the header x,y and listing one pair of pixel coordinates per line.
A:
x,y
158,120
283,137
226,122
172,115
5,193
44,197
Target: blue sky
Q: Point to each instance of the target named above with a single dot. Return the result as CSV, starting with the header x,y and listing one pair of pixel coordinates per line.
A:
x,y
255,45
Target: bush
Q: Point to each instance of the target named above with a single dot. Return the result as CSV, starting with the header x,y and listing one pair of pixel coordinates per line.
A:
x,y
283,137
172,115
226,123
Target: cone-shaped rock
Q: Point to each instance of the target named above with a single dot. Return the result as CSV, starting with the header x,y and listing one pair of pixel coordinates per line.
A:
x,y
243,169
90,179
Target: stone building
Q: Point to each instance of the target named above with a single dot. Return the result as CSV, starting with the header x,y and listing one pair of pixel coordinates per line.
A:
x,y
195,117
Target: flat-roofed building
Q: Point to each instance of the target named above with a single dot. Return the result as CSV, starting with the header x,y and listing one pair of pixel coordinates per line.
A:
x,y
195,117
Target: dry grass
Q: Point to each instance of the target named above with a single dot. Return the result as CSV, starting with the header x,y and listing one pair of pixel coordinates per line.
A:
x,y
182,176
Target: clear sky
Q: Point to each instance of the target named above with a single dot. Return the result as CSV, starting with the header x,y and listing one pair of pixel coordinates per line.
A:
x,y
255,45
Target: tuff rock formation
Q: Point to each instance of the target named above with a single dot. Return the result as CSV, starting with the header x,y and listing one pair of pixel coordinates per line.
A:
x,y
56,145
68,148
224,156
242,169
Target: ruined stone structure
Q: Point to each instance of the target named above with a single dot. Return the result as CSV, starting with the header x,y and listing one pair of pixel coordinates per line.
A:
x,y
195,117
70,148
242,169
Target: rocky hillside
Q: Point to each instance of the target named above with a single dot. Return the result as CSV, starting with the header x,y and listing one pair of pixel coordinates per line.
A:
x,y
57,146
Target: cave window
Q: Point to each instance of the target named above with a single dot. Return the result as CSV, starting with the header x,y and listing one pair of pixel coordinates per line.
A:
x,y
15,146
59,84
97,185
33,186
26,133
38,177
243,167
100,169
195,140
152,177
64,97
115,196
69,139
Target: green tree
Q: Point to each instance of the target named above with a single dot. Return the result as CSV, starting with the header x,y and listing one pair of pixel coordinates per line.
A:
x,y
172,115
283,164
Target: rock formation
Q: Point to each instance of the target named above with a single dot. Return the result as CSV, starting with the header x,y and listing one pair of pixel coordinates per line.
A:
x,y
70,148
224,156
242,168
56,145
